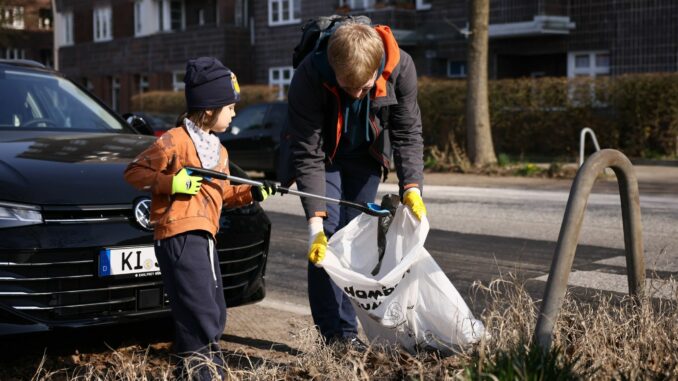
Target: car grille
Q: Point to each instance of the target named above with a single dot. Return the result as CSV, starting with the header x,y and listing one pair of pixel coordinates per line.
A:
x,y
86,214
240,266
61,285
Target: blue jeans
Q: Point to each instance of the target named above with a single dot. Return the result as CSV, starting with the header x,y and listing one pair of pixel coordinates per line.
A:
x,y
353,180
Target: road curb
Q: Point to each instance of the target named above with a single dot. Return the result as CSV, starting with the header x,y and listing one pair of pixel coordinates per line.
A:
x,y
655,163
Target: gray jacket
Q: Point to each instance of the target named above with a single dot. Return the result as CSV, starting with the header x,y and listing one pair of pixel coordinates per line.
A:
x,y
314,123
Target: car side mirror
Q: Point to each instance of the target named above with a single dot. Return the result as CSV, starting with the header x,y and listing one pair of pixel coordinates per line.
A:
x,y
139,124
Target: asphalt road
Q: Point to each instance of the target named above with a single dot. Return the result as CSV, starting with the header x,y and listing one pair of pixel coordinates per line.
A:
x,y
477,234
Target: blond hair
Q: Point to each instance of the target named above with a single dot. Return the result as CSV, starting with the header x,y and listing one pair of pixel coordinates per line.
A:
x,y
354,52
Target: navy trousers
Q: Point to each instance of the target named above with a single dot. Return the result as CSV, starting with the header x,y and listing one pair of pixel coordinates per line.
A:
x,y
192,280
353,180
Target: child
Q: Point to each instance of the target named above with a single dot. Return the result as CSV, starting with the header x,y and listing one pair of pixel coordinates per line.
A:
x,y
185,209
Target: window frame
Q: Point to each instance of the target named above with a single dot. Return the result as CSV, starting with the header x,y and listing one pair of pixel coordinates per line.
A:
x,y
138,13
143,84
67,30
293,6
13,53
592,70
464,71
423,5
102,16
280,82
45,19
17,15
178,84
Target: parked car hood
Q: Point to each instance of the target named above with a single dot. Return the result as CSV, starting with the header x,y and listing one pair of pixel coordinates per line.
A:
x,y
50,168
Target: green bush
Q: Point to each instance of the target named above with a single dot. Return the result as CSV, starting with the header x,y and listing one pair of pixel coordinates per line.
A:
x,y
172,102
647,113
637,114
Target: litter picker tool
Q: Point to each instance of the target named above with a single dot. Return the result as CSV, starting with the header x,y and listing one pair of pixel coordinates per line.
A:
x,y
368,208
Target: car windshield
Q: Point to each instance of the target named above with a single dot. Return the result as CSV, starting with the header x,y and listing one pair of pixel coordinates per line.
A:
x,y
33,100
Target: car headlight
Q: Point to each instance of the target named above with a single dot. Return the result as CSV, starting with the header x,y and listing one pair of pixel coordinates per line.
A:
x,y
13,215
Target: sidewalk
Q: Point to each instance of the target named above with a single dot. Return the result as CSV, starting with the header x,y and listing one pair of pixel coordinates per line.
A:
x,y
652,180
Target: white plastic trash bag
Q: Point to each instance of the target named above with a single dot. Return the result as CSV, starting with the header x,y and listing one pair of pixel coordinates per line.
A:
x,y
410,301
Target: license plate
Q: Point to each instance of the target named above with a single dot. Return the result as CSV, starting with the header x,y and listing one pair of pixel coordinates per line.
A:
x,y
136,261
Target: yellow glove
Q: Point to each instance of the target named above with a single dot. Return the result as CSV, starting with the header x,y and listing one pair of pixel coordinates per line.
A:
x,y
413,199
317,241
317,251
182,182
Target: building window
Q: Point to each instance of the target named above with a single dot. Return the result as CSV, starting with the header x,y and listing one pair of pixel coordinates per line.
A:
x,y
12,53
12,17
47,57
138,17
201,16
283,12
178,80
588,64
67,30
143,84
280,77
45,18
357,4
177,21
241,16
115,94
87,83
423,5
103,24
171,15
456,69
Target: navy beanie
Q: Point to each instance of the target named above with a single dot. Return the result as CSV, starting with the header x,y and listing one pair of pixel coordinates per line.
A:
x,y
209,84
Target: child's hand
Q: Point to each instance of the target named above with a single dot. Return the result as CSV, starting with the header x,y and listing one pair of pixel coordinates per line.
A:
x,y
260,193
185,183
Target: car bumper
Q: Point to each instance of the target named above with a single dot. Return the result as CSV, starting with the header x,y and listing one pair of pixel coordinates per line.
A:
x,y
49,273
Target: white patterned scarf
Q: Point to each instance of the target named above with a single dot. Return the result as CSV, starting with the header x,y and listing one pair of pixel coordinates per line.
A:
x,y
207,145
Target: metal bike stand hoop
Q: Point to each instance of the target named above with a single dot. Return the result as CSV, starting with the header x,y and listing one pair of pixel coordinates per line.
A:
x,y
568,238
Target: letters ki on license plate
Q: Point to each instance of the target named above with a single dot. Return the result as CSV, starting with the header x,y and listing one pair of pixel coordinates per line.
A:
x,y
135,261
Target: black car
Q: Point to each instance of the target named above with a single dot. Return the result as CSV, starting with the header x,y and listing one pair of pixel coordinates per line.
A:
x,y
253,140
75,241
159,122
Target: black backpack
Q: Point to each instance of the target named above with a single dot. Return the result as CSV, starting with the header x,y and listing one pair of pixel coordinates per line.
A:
x,y
315,32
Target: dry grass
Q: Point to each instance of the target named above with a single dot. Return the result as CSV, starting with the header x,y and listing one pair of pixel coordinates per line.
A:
x,y
604,338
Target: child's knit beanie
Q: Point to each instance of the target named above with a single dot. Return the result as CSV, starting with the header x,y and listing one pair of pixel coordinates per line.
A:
x,y
209,84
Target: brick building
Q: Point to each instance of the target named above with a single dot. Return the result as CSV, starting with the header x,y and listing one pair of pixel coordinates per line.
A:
x,y
560,37
26,30
121,47
118,48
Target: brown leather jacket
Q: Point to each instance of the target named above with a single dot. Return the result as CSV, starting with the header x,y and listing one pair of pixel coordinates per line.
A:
x,y
172,214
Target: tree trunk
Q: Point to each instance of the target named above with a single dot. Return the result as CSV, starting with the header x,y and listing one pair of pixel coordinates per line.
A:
x,y
480,146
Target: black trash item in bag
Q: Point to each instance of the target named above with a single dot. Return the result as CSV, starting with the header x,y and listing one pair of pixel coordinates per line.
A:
x,y
389,202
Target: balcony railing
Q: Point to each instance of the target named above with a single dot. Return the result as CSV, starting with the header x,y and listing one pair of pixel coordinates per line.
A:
x,y
399,15
511,11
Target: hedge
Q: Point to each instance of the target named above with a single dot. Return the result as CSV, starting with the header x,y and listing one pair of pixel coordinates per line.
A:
x,y
171,102
637,114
